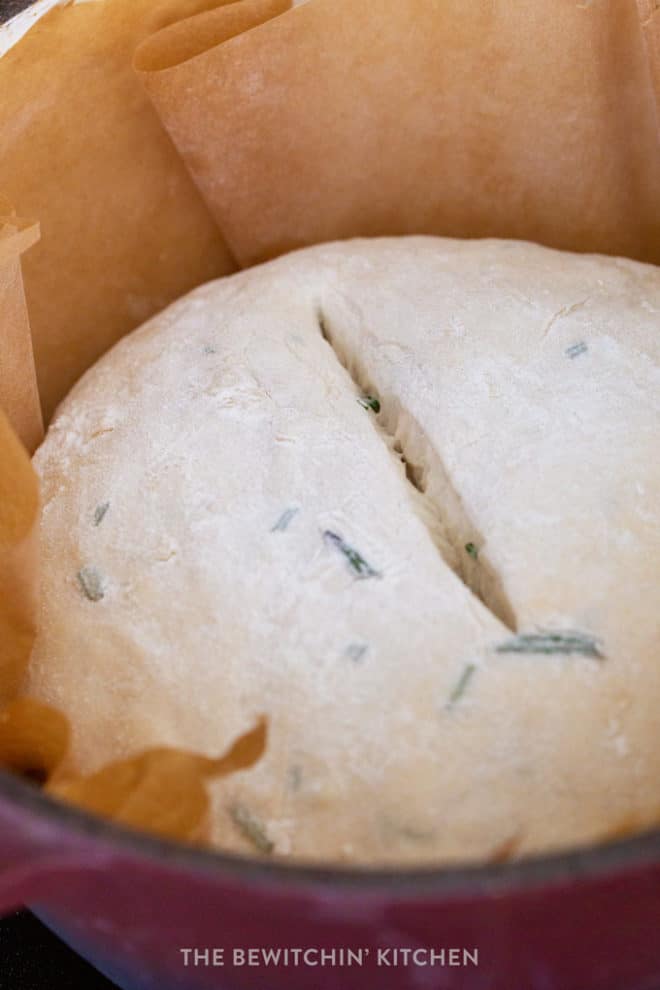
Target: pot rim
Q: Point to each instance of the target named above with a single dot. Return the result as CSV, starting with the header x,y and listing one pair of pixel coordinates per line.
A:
x,y
585,863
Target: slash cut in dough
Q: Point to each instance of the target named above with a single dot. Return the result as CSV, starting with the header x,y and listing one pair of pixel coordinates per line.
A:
x,y
401,496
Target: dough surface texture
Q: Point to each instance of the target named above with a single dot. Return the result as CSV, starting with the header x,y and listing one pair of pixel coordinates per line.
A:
x,y
402,496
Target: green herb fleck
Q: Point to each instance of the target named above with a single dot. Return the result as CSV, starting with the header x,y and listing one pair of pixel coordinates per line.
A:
x,y
251,828
91,583
461,684
355,651
100,513
576,349
294,777
405,830
355,560
284,520
415,834
208,349
472,551
547,641
369,402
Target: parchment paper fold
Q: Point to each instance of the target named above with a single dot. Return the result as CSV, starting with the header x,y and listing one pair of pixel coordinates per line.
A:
x,y
365,117
19,396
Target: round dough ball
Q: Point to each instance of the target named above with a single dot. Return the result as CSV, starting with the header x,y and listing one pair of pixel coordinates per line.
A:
x,y
402,497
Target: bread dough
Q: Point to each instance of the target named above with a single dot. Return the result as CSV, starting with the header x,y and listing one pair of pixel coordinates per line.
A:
x,y
401,496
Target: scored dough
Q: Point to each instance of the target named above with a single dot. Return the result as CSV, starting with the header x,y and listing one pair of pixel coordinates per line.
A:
x,y
229,529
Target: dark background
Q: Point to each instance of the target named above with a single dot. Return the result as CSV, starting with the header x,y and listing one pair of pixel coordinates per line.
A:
x,y
10,7
32,958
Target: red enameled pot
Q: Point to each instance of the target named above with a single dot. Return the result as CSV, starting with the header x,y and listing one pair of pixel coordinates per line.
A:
x,y
134,906
130,903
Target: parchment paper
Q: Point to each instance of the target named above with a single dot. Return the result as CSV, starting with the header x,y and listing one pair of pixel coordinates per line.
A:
x,y
19,513
346,117
18,385
123,229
